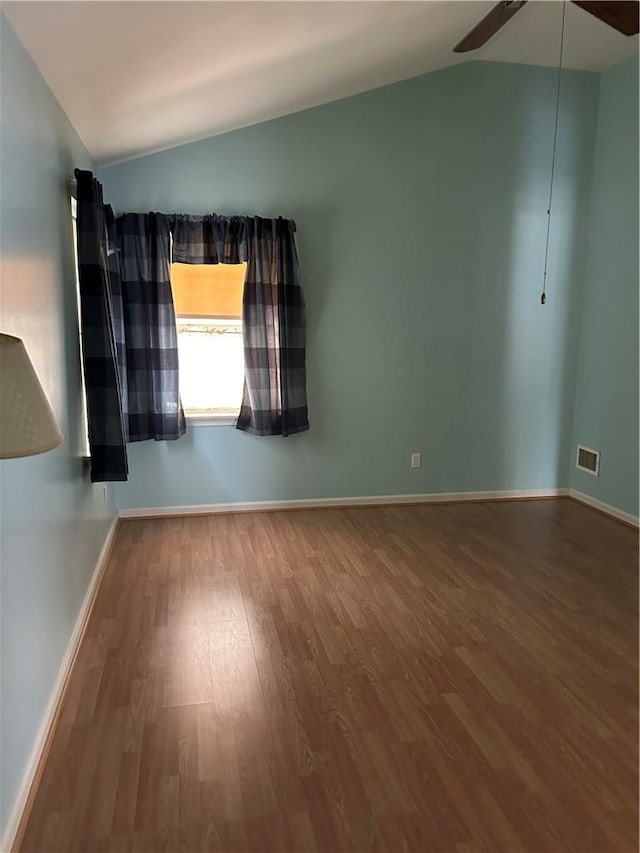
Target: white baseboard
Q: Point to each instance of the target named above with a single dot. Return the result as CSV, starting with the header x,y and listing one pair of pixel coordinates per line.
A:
x,y
377,500
315,503
613,511
13,824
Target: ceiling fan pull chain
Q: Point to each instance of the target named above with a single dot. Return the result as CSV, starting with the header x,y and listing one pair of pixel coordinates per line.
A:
x,y
543,297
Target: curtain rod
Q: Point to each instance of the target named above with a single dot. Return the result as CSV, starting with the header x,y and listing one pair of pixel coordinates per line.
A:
x,y
72,185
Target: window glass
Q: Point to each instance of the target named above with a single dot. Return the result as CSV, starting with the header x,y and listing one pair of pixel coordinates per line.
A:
x,y
208,304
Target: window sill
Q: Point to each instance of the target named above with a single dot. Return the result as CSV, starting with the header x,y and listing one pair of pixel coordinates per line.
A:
x,y
210,420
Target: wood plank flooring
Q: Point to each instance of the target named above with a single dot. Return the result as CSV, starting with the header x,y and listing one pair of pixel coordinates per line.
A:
x,y
433,678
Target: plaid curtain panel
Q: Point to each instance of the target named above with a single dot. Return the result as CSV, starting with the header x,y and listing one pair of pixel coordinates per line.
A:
x,y
274,400
97,273
153,403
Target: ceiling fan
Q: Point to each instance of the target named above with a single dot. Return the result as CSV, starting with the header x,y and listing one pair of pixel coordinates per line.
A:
x,y
622,16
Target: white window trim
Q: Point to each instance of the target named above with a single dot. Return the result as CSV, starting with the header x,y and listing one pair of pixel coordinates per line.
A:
x,y
85,450
210,419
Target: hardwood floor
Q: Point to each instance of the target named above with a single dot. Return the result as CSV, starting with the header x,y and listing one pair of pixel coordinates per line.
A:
x,y
433,678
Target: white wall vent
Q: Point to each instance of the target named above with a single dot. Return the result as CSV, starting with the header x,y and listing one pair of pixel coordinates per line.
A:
x,y
588,459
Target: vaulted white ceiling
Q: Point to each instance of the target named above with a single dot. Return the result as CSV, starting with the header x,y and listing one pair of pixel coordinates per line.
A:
x,y
135,77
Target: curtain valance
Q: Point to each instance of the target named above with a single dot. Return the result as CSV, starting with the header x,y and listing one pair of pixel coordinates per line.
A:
x,y
209,239
215,239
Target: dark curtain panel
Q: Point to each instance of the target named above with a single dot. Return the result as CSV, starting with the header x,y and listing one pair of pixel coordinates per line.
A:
x,y
97,272
274,400
153,405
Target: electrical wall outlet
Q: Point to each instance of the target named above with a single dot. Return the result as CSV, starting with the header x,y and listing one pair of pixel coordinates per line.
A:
x,y
416,460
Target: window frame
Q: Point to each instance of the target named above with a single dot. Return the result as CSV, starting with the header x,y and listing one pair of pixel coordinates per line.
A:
x,y
85,449
211,420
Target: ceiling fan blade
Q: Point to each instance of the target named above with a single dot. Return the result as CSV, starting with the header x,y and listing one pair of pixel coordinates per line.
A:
x,y
491,23
622,16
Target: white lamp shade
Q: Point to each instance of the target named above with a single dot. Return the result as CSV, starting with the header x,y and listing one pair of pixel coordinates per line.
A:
x,y
27,423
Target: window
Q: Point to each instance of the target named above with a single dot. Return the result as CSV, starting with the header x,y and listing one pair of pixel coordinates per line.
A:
x,y
208,304
85,450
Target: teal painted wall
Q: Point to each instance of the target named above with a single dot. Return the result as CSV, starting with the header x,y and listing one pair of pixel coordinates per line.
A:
x,y
53,522
606,415
421,211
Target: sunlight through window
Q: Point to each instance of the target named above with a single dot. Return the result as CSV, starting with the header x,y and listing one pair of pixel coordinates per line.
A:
x,y
208,304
